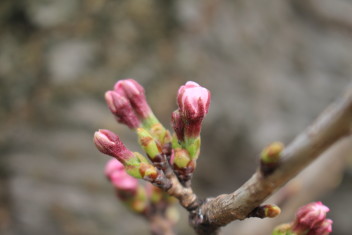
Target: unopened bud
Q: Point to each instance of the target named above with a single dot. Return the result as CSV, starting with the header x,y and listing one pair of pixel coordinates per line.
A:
x,y
193,101
113,165
122,109
309,216
117,175
135,94
109,143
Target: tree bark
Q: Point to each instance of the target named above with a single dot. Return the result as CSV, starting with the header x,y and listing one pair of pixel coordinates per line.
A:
x,y
330,127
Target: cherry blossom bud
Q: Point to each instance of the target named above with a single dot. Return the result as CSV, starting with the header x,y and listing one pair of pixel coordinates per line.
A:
x,y
109,143
124,181
310,215
122,109
135,164
310,220
134,92
112,166
117,175
193,101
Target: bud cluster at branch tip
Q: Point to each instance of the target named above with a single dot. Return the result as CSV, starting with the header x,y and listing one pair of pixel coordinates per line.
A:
x,y
270,157
310,220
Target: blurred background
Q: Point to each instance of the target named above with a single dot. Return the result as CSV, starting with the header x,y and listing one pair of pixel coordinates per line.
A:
x,y
272,67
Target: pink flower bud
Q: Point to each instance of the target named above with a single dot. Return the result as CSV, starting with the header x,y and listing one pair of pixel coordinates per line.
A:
x,y
324,228
309,216
177,125
123,181
122,109
109,143
113,165
134,92
116,173
193,101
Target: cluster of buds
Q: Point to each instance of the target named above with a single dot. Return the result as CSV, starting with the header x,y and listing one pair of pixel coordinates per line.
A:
x,y
128,103
166,155
310,220
193,104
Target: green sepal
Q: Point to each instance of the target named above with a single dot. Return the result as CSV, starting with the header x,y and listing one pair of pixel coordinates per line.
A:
x,y
148,143
181,158
175,142
148,122
134,164
158,132
193,147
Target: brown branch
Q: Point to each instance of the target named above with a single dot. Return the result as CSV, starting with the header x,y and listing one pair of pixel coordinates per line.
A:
x,y
185,195
331,126
304,188
160,225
